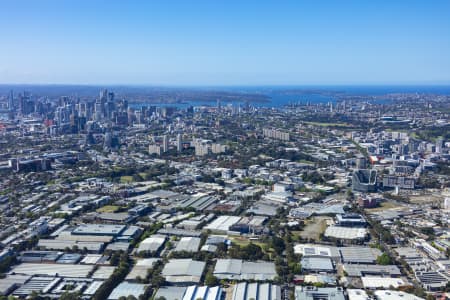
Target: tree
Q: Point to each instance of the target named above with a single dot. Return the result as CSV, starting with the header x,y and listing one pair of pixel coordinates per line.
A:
x,y
157,280
70,296
210,279
278,245
384,259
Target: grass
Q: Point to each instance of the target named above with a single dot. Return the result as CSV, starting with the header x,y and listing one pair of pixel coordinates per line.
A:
x,y
385,205
108,209
328,124
242,241
126,179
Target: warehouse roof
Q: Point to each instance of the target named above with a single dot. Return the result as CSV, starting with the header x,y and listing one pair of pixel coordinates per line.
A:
x,y
222,223
346,233
244,270
317,264
44,284
314,293
103,272
381,282
126,289
265,291
63,244
152,243
359,254
170,292
63,270
140,269
189,244
99,229
356,294
358,270
11,282
395,295
181,267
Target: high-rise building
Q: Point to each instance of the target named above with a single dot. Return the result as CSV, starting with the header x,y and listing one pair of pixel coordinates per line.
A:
x,y
179,143
11,100
440,145
165,143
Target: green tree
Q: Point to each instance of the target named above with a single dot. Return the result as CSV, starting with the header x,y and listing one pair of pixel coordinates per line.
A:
x,y
211,280
384,259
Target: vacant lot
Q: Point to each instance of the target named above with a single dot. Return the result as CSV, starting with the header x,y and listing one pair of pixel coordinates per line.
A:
x,y
313,228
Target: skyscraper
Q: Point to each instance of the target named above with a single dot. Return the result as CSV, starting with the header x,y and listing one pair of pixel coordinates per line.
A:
x,y
165,143
179,143
11,100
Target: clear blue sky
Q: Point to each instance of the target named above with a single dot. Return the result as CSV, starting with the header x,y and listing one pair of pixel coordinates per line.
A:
x,y
225,42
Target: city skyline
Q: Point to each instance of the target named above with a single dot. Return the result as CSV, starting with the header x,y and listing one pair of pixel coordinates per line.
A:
x,y
220,44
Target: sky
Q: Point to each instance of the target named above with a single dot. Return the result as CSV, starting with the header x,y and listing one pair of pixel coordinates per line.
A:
x,y
214,43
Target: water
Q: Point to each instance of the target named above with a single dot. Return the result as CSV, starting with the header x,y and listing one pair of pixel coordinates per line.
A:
x,y
279,96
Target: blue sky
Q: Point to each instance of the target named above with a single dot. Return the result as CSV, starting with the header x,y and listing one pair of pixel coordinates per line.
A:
x,y
228,42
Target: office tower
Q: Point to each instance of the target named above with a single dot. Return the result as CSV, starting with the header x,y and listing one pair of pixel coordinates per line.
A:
x,y
179,143
440,145
11,100
165,143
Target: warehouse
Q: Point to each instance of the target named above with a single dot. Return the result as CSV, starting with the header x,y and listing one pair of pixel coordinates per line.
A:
x,y
359,255
170,292
11,282
188,244
202,293
103,272
236,269
94,247
152,244
222,224
257,291
39,256
126,289
68,236
99,229
69,258
381,282
346,233
183,271
141,268
395,295
63,270
315,293
310,250
179,232
317,264
359,270
357,294
92,259
44,284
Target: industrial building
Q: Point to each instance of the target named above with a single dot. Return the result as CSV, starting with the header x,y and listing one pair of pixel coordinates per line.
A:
x,y
359,255
152,244
317,264
315,293
257,291
183,271
188,244
126,289
236,269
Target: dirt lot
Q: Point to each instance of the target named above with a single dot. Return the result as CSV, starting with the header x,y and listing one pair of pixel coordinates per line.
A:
x,y
314,228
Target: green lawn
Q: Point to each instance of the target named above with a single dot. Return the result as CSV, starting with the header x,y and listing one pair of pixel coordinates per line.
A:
x,y
108,209
126,179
